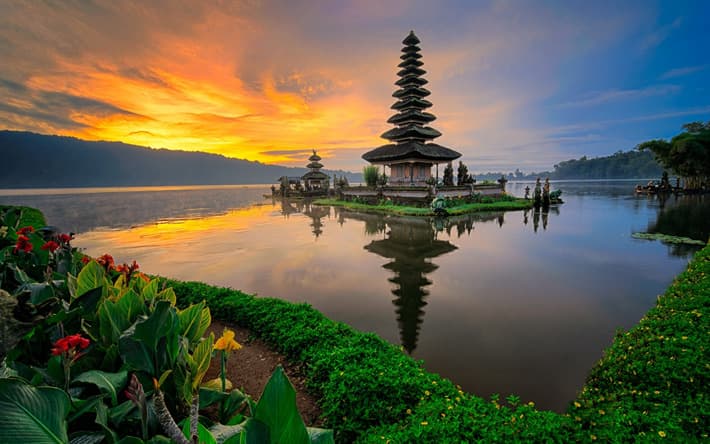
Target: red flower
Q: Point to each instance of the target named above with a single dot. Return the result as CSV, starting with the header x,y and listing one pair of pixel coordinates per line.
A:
x,y
106,261
65,238
51,246
68,346
23,244
85,260
25,230
128,270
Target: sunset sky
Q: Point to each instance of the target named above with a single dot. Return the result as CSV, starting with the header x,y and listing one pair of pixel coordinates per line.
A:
x,y
514,83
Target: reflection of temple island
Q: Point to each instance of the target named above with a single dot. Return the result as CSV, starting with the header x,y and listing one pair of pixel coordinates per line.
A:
x,y
304,206
313,183
410,244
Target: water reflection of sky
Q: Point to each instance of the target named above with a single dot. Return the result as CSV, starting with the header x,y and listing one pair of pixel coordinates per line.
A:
x,y
486,300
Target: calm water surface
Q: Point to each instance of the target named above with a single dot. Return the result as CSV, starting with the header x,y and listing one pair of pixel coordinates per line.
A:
x,y
516,302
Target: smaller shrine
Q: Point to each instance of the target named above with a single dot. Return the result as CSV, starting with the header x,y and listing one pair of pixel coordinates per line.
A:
x,y
315,179
313,183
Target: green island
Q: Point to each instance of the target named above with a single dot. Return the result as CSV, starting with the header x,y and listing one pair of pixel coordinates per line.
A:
x,y
503,203
646,388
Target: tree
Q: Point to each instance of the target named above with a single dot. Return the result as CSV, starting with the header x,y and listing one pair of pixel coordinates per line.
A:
x,y
687,154
463,176
449,175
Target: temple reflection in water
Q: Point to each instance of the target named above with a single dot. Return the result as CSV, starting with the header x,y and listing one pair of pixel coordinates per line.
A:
x,y
410,244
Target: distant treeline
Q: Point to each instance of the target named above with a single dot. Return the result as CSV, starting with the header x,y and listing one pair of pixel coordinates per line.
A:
x,y
620,165
32,160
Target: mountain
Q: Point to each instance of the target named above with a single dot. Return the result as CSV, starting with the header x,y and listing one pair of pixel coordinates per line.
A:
x,y
32,160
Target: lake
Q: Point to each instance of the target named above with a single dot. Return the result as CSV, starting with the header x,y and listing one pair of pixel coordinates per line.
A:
x,y
519,302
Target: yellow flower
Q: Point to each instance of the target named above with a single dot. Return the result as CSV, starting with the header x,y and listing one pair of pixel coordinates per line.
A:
x,y
227,342
661,433
425,423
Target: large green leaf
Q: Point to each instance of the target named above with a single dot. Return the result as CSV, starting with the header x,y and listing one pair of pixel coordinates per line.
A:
x,y
161,323
116,317
31,414
82,406
277,409
87,438
222,433
102,419
90,277
71,285
201,360
204,435
167,295
39,292
136,355
194,321
109,383
150,291
320,436
88,301
256,432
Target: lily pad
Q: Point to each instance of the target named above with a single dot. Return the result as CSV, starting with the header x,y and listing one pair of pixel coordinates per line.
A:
x,y
667,238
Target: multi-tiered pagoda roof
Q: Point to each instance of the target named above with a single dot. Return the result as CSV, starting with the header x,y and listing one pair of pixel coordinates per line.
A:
x,y
315,166
411,137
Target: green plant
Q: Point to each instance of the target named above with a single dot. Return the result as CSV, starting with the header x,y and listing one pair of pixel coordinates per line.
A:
x,y
113,358
370,175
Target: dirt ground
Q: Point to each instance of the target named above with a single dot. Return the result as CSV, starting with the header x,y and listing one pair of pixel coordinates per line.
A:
x,y
250,367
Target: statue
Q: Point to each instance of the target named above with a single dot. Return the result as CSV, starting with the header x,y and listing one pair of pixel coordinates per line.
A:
x,y
527,192
438,206
546,193
537,194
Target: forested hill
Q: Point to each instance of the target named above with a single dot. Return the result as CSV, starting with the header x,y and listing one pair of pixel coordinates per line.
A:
x,y
620,165
32,160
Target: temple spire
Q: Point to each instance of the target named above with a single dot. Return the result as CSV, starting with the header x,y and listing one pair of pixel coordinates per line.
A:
x,y
411,136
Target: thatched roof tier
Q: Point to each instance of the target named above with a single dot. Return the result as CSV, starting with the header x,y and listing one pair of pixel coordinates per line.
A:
x,y
315,165
319,175
412,91
411,150
411,81
410,55
415,132
411,116
411,103
411,39
410,62
411,49
411,70
314,157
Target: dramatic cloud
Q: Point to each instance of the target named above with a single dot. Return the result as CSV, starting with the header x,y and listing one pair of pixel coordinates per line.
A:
x,y
270,80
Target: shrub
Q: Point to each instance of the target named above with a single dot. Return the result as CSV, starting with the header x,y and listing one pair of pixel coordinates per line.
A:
x,y
370,175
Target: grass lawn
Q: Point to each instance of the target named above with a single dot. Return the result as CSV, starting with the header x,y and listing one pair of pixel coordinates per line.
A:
x,y
508,205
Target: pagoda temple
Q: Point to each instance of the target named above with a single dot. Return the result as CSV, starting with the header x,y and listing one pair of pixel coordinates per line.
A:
x,y
411,154
315,179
